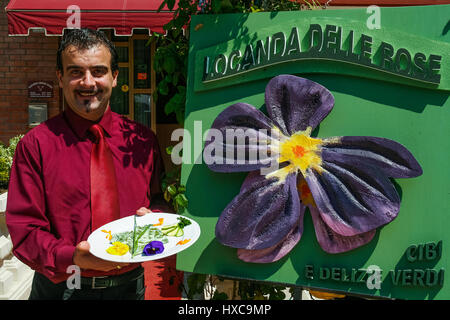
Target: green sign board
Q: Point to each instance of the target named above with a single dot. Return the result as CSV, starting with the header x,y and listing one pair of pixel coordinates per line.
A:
x,y
391,80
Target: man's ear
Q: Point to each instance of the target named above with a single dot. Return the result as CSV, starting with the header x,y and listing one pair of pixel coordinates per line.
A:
x,y
115,74
59,76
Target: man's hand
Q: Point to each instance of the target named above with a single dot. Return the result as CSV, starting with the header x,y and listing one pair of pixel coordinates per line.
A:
x,y
143,211
86,260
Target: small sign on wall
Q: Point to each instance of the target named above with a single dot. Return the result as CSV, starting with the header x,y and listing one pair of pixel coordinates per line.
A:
x,y
40,89
37,113
142,76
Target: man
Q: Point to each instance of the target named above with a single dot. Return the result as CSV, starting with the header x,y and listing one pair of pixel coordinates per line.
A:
x,y
51,192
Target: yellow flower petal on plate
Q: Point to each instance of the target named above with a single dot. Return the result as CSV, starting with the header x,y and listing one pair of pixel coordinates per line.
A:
x,y
118,248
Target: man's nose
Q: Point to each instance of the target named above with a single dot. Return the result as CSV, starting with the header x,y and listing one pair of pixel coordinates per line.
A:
x,y
88,80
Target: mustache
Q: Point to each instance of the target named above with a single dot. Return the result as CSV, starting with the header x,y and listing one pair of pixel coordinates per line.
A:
x,y
86,91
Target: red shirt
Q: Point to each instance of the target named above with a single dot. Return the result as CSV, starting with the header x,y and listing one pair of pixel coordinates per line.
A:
x,y
48,208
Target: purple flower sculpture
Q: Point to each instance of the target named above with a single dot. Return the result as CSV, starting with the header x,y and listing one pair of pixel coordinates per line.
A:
x,y
153,247
344,181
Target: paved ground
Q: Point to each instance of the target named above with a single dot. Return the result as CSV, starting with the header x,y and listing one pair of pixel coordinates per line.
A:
x,y
162,279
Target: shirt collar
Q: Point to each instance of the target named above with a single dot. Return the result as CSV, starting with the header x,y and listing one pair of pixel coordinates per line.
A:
x,y
81,125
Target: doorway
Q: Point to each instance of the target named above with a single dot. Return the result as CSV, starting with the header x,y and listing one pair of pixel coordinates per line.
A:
x,y
132,97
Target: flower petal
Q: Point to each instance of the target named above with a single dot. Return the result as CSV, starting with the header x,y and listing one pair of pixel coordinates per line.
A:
x,y
261,215
352,190
153,247
277,251
332,242
295,103
353,199
240,139
388,156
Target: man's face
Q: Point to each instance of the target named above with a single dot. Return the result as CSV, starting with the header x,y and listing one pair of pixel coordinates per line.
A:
x,y
87,80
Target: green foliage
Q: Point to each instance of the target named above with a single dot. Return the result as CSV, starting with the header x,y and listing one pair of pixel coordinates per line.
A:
x,y
202,284
174,195
6,160
4,173
195,284
171,56
170,64
173,190
251,290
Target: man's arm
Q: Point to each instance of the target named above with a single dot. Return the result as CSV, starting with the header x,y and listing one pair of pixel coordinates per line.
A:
x,y
28,225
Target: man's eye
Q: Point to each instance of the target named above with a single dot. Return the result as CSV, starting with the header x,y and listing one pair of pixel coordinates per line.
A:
x,y
75,73
98,72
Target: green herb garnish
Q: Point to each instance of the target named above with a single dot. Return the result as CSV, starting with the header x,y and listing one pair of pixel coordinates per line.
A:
x,y
139,238
176,230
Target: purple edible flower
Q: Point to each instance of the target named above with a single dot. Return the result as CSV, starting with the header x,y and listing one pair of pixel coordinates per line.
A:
x,y
344,181
153,247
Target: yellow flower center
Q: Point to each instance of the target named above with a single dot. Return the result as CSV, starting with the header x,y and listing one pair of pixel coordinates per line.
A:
x,y
301,151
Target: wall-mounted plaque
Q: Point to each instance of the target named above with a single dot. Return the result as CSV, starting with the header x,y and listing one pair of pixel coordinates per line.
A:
x,y
40,89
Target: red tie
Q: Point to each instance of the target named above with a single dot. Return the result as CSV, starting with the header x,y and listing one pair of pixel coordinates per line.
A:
x,y
104,195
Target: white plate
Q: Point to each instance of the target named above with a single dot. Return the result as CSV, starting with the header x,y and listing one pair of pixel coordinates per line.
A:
x,y
99,241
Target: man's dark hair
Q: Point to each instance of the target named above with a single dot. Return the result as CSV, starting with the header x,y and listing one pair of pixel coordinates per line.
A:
x,y
83,39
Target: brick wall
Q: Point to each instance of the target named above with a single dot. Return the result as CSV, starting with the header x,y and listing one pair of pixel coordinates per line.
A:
x,y
23,59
